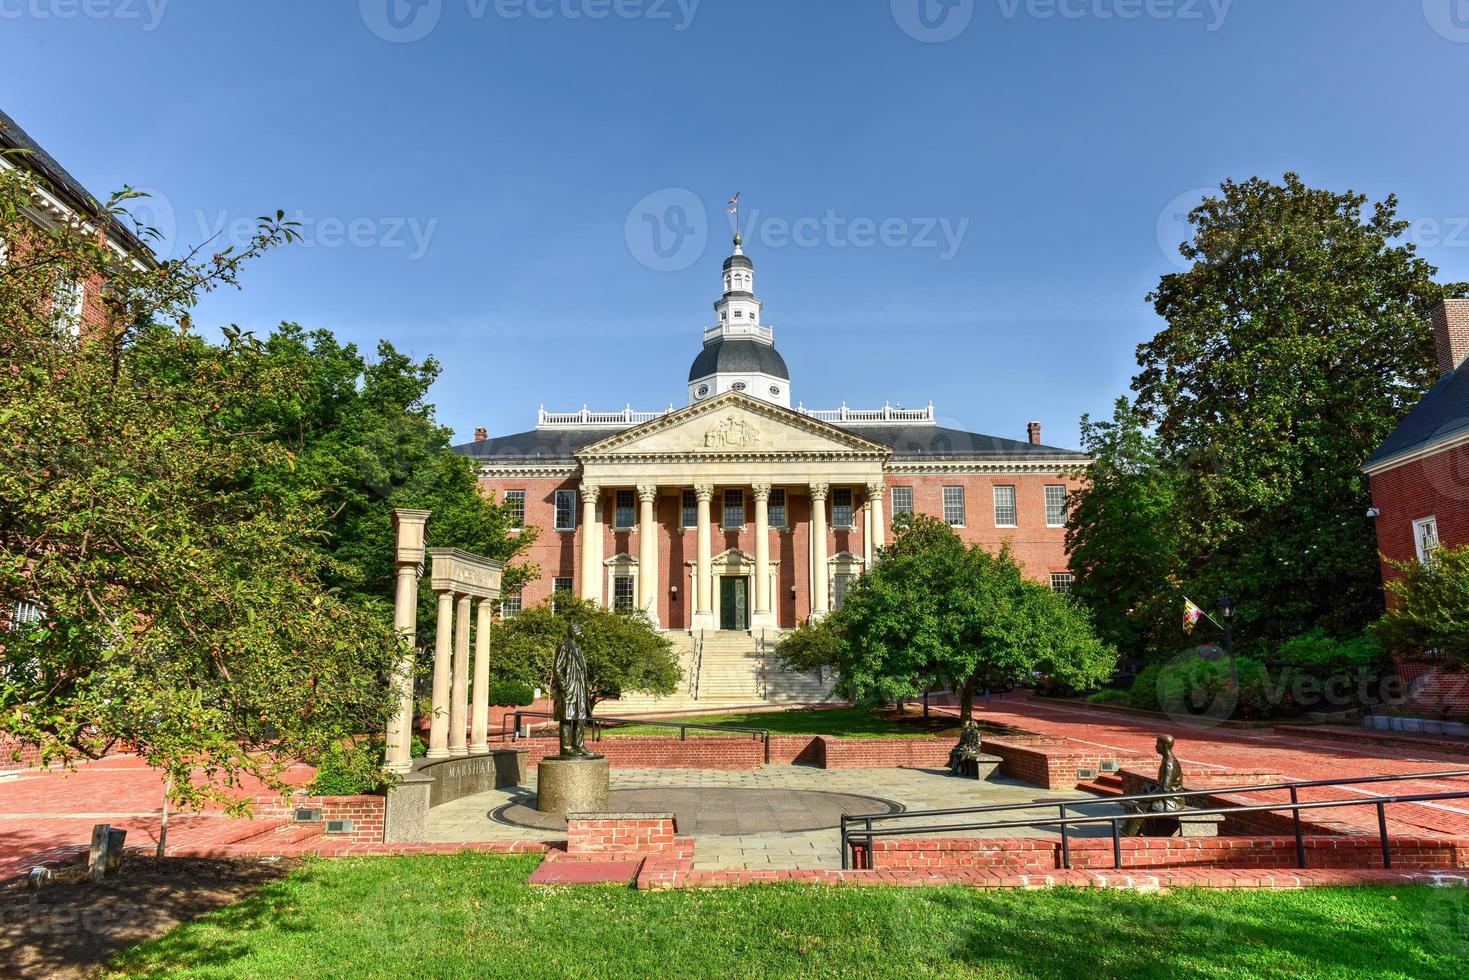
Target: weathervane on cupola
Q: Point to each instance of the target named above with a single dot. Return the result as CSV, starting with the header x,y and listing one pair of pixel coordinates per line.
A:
x,y
739,350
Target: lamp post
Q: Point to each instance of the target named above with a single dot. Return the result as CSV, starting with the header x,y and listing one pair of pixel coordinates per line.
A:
x,y
1225,605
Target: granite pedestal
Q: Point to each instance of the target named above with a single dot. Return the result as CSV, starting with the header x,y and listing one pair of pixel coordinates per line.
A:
x,y
572,786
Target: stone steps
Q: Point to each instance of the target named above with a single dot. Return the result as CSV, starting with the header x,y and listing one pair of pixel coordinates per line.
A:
x,y
733,672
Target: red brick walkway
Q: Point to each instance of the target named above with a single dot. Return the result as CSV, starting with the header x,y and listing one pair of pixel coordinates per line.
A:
x,y
1294,757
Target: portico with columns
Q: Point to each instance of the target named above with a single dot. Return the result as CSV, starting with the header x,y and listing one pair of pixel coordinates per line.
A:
x,y
746,513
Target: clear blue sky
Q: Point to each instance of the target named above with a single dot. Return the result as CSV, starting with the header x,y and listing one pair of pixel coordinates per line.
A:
x,y
524,140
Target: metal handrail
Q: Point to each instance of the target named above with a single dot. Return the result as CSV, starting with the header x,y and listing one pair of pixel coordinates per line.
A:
x,y
697,665
761,734
850,834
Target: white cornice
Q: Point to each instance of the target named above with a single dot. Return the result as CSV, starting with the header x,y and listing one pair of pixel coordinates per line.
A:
x,y
527,472
985,467
1453,440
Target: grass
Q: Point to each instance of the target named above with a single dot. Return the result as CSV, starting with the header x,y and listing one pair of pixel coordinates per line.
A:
x,y
837,722
472,915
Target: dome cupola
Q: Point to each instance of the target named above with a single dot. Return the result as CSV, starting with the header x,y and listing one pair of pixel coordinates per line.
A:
x,y
739,350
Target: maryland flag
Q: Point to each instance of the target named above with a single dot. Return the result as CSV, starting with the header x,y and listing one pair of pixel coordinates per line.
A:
x,y
1191,614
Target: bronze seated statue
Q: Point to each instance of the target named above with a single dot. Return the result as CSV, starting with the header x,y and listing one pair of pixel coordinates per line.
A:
x,y
965,757
1170,779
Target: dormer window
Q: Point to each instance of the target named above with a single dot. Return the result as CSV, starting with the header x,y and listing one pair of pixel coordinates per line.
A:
x,y
739,314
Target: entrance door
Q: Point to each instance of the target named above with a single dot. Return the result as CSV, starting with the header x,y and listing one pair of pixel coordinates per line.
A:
x,y
733,602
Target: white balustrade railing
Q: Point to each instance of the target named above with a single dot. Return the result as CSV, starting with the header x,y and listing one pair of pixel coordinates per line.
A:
x,y
887,415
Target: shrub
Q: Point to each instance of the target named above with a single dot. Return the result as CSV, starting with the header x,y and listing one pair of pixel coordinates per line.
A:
x,y
349,769
1428,607
1143,695
511,694
1318,648
1108,695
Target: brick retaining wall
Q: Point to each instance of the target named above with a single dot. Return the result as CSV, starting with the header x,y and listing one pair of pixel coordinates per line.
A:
x,y
1050,762
618,836
365,812
1030,854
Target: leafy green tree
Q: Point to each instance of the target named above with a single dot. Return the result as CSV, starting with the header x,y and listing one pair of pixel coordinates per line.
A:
x,y
935,609
183,608
625,652
1428,608
1122,538
1293,346
362,439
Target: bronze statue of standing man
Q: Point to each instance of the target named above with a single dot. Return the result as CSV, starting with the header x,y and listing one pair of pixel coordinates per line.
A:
x,y
572,696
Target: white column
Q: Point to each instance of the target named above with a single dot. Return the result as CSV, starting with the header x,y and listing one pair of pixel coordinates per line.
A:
x,y
408,526
704,607
591,537
438,731
459,705
479,739
820,605
648,551
875,494
764,617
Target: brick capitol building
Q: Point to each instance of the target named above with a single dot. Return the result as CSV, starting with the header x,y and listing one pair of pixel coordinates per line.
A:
x,y
739,516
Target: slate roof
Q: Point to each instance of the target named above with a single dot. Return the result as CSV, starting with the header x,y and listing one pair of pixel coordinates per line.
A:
x,y
739,356
909,442
62,183
1443,412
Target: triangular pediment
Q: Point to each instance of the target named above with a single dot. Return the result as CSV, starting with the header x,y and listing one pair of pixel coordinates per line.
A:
x,y
734,424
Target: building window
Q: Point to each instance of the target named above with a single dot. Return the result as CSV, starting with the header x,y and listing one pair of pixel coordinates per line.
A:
x,y
690,509
1055,506
24,614
515,507
623,597
954,506
510,605
777,507
67,305
1425,538
566,510
561,587
626,516
902,500
734,508
840,584
841,507
1061,582
1005,507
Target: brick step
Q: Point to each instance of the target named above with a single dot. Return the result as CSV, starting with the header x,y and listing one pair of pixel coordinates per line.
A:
x,y
1107,784
255,832
1449,744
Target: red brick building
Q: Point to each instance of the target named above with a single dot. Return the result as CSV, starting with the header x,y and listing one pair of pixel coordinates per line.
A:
x,y
741,513
60,198
1420,483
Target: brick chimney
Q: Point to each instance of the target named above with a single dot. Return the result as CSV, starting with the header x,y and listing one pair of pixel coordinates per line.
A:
x,y
1451,332
481,434
1034,431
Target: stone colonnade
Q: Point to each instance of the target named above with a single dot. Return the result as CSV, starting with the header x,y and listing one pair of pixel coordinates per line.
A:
x,y
706,494
466,584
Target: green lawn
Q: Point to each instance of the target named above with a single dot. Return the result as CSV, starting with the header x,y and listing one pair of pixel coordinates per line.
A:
x,y
841,722
472,915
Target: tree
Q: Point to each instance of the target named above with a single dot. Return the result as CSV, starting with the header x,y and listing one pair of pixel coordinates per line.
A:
x,y
184,610
1293,346
625,652
1429,607
933,608
1121,536
362,439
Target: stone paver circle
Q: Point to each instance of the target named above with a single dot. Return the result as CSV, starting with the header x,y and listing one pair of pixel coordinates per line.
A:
x,y
720,810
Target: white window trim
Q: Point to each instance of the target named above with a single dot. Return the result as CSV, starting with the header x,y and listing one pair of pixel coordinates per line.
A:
x,y
894,501
556,509
523,501
963,506
1065,504
1014,500
1418,526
